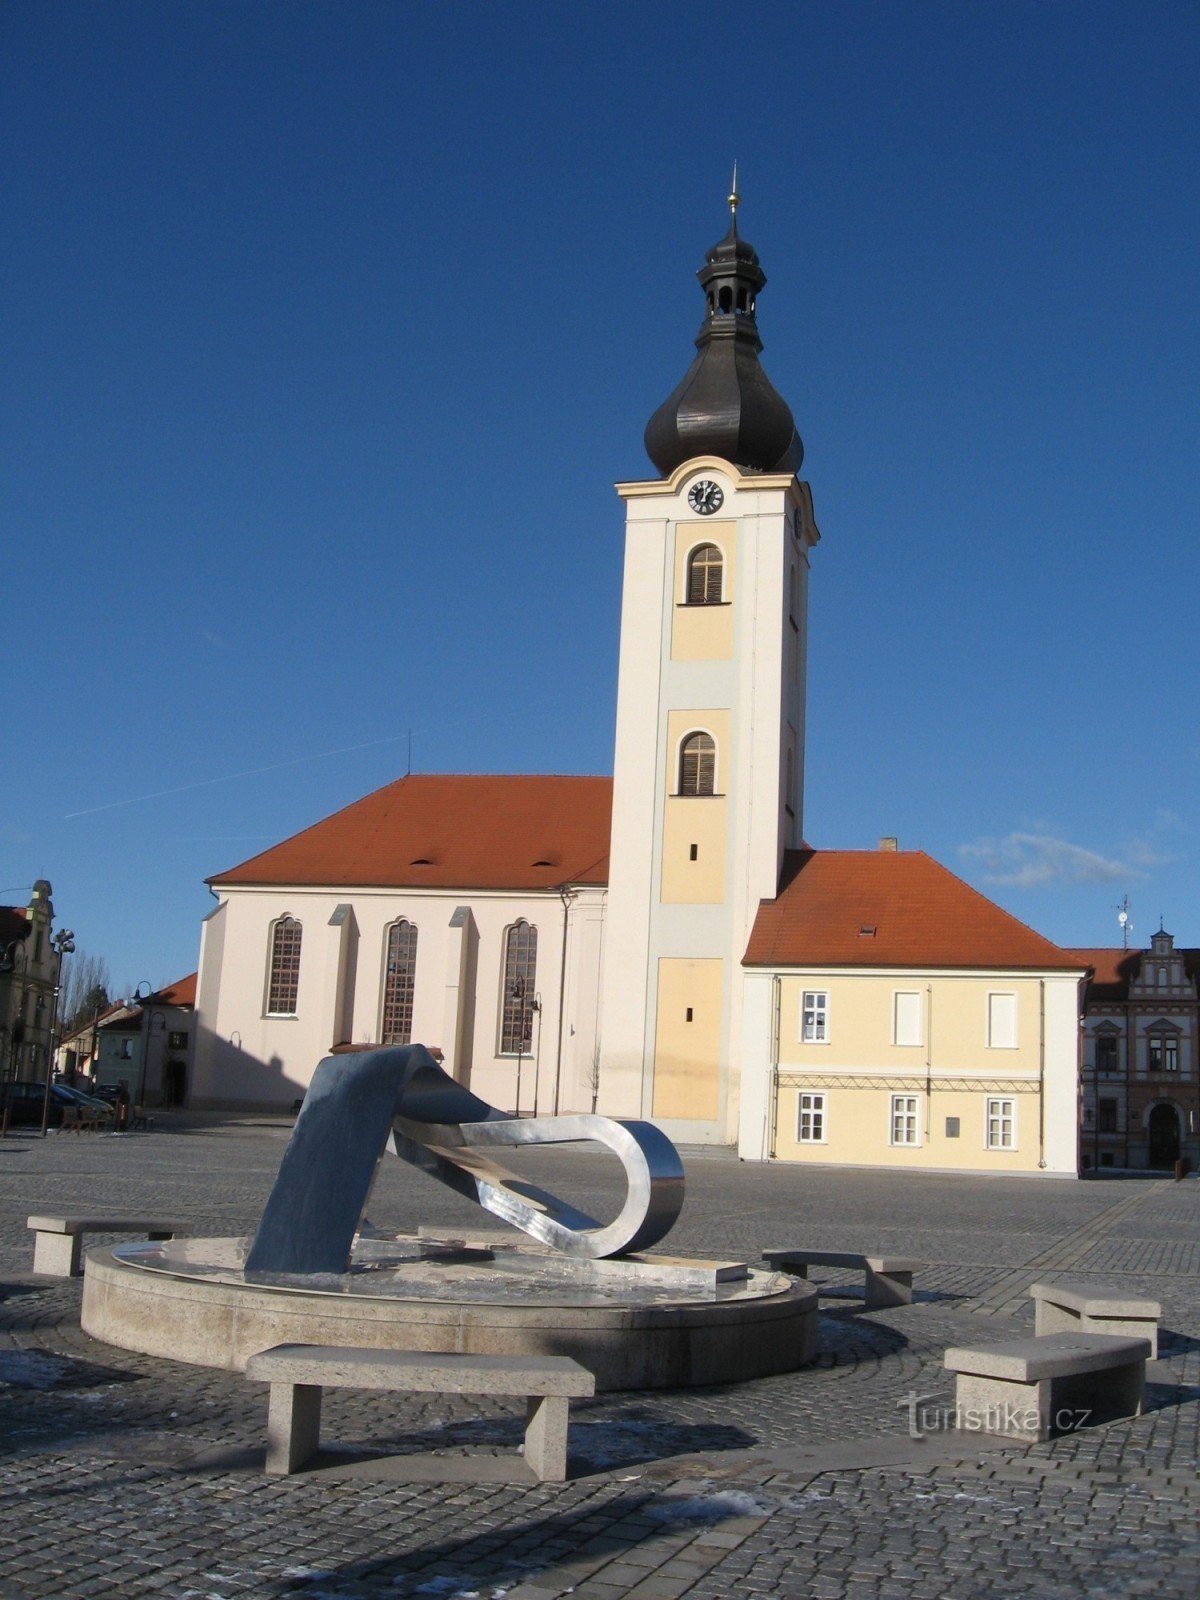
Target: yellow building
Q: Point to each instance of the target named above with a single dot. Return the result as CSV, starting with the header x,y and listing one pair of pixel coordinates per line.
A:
x,y
912,1023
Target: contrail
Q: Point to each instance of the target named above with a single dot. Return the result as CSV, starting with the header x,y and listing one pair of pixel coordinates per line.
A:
x,y
228,777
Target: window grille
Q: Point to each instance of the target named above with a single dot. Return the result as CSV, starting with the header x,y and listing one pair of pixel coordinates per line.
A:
x,y
400,975
283,986
520,980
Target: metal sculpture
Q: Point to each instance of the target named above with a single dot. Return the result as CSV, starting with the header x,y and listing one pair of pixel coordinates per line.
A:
x,y
357,1101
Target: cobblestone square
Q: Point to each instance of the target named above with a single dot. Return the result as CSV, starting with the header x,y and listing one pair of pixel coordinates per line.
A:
x,y
127,1476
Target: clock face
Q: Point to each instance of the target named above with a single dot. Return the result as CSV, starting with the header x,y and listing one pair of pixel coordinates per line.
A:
x,y
706,498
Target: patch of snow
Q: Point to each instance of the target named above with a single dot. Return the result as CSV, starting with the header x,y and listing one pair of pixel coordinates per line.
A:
x,y
710,1507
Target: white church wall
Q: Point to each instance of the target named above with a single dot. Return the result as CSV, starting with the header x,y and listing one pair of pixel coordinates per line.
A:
x,y
251,1058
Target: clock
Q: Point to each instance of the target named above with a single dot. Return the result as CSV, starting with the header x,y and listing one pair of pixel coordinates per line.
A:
x,y
706,497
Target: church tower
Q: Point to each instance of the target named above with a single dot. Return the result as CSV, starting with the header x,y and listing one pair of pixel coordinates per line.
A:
x,y
709,764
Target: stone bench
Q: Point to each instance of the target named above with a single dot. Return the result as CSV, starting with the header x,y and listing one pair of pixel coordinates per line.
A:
x,y
58,1241
298,1374
888,1279
1075,1306
1033,1388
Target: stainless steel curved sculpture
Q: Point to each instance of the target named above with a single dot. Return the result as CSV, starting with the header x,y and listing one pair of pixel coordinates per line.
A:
x,y
356,1101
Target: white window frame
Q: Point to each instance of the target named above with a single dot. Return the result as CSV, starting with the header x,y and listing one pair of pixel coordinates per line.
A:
x,y
906,1106
1001,1100
820,1019
991,1030
817,1113
907,994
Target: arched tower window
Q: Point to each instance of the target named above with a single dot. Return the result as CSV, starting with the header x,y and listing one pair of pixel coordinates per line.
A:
x,y
520,986
399,982
283,979
697,764
706,569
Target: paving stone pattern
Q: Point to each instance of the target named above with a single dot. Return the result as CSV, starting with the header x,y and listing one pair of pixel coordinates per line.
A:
x,y
126,1476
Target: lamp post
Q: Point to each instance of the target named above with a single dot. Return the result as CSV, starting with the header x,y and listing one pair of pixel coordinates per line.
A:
x,y
63,944
136,999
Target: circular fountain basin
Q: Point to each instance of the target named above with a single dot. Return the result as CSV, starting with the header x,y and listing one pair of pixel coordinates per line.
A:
x,y
645,1323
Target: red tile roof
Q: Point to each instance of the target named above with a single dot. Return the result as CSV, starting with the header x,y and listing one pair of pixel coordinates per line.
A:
x,y
1112,970
180,993
1115,969
14,924
450,832
885,908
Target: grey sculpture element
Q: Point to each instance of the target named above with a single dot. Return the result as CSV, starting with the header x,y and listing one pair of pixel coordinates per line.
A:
x,y
356,1101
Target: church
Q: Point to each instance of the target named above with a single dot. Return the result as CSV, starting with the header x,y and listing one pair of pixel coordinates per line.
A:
x,y
664,943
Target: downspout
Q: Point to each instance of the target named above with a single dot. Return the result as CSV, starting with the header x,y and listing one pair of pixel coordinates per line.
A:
x,y
1042,1074
929,1066
565,895
773,1099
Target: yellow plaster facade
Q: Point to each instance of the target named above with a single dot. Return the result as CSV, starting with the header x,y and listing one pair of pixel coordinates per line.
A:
x,y
703,632
896,1068
687,1040
695,827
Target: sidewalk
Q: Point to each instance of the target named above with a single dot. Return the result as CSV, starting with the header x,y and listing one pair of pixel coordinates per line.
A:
x,y
125,1476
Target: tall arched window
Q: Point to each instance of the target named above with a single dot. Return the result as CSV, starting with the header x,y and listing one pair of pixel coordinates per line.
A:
x,y
283,979
520,986
399,981
697,764
706,569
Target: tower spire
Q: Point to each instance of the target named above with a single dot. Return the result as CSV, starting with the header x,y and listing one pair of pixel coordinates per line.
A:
x,y
725,405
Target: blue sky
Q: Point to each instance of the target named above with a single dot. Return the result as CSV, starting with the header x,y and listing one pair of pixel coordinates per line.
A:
x,y
330,327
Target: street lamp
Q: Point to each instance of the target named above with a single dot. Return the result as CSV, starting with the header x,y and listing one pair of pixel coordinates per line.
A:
x,y
136,999
63,944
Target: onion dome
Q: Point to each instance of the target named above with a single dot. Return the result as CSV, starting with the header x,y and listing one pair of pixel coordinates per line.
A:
x,y
726,406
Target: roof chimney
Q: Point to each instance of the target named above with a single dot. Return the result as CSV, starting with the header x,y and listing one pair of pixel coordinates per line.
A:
x,y
889,842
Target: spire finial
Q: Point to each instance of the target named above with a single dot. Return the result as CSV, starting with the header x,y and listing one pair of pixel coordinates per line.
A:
x,y
735,198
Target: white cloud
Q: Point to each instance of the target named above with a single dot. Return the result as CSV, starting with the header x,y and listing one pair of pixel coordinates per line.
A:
x,y
1030,859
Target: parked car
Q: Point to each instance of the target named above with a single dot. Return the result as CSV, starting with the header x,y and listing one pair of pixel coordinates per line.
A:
x,y
66,1094
24,1100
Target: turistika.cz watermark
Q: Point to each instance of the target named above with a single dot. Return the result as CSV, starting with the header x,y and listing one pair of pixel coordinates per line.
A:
x,y
928,1413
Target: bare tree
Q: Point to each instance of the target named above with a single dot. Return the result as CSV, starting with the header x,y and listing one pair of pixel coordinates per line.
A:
x,y
87,988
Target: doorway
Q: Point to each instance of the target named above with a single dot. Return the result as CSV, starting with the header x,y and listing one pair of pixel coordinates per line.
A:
x,y
1163,1129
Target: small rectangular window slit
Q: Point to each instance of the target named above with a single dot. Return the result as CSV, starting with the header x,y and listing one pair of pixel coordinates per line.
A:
x,y
688,1014
693,852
